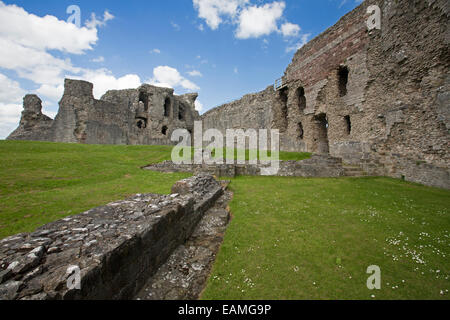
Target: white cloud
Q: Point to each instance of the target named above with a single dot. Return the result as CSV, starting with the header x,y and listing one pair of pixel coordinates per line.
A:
x,y
99,59
257,21
9,118
10,90
167,77
33,64
53,93
157,51
198,106
43,33
93,23
104,80
213,11
11,95
252,21
236,71
195,73
290,29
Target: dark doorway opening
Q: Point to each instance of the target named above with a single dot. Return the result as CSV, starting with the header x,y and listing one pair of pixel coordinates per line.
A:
x,y
164,130
321,143
301,99
167,105
343,80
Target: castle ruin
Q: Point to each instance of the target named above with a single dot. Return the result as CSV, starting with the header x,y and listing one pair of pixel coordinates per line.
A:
x,y
376,98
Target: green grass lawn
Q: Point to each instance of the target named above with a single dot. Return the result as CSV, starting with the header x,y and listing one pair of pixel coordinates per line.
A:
x,y
290,238
294,238
43,182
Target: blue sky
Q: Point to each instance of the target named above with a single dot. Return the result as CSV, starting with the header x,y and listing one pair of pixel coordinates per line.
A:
x,y
220,49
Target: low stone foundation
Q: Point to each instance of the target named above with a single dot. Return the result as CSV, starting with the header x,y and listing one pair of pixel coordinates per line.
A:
x,y
116,247
316,166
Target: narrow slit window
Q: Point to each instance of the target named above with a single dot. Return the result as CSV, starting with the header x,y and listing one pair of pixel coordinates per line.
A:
x,y
343,80
348,124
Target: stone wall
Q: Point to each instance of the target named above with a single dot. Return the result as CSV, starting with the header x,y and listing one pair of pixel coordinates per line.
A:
x,y
251,111
33,125
117,247
376,98
143,116
316,166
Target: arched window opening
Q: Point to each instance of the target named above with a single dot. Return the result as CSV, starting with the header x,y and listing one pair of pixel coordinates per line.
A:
x,y
143,97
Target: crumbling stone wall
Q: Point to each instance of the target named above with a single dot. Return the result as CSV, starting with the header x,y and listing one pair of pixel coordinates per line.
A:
x,y
376,98
146,115
33,125
252,111
117,247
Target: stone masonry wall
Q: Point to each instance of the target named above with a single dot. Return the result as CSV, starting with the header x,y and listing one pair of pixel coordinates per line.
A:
x,y
378,98
144,116
117,247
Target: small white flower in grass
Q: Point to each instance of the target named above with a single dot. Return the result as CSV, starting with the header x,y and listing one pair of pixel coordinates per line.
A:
x,y
373,296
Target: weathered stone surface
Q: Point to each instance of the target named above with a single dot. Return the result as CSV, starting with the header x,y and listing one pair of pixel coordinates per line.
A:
x,y
33,125
146,115
184,275
116,247
391,110
316,166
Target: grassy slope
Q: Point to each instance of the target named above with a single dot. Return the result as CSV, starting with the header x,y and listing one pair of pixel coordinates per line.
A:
x,y
294,238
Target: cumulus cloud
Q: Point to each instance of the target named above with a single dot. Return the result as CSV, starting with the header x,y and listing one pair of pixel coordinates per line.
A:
x,y
255,21
9,118
10,105
157,51
252,21
43,33
214,11
290,29
52,93
10,90
168,77
104,80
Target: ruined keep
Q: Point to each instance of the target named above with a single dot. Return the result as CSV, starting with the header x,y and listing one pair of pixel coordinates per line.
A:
x,y
146,115
378,99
